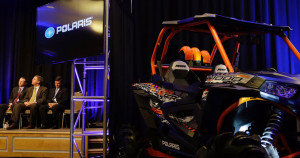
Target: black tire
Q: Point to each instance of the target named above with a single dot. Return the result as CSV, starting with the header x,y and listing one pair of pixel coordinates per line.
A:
x,y
129,143
227,145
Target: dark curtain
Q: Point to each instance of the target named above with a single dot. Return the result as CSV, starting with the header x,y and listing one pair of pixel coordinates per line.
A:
x,y
17,47
135,26
17,37
95,87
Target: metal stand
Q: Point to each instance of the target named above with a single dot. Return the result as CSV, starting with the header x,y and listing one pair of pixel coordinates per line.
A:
x,y
87,65
90,65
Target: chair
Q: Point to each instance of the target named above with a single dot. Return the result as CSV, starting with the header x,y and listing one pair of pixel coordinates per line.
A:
x,y
77,107
26,112
9,112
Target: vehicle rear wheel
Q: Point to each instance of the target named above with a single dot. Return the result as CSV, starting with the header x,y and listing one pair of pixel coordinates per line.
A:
x,y
227,145
129,143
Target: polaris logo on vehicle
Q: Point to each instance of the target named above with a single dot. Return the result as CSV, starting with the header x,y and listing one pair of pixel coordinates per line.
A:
x,y
68,27
220,69
170,145
180,66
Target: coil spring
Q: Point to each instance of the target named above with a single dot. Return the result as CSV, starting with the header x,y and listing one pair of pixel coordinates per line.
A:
x,y
272,128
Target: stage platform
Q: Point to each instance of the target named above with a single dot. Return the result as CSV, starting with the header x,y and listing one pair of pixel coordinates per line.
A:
x,y
37,142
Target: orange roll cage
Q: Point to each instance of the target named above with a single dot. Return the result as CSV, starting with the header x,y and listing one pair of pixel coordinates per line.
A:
x,y
208,23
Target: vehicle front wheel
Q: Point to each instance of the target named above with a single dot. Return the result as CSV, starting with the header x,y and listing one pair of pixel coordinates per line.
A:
x,y
227,145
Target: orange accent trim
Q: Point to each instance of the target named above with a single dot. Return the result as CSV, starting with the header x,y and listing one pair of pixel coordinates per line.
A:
x,y
200,69
284,143
157,111
224,114
155,153
294,155
213,53
220,47
215,48
291,46
285,109
160,36
245,76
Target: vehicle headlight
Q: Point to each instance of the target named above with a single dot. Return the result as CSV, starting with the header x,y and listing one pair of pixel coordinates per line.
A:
x,y
278,90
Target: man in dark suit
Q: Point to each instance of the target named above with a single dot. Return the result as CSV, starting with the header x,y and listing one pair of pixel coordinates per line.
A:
x,y
58,100
35,96
16,96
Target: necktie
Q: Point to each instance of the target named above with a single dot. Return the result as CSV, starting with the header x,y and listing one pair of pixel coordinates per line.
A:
x,y
15,101
56,91
33,95
54,97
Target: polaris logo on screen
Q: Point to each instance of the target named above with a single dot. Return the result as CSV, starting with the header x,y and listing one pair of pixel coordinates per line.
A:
x,y
170,145
49,33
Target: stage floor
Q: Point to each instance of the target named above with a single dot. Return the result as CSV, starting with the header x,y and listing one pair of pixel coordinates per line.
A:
x,y
38,142
37,130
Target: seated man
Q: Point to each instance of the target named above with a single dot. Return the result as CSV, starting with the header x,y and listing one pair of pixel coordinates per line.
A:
x,y
16,96
58,100
35,96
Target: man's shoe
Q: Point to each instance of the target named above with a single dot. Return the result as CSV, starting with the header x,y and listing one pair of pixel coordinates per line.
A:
x,y
43,127
54,127
30,126
12,126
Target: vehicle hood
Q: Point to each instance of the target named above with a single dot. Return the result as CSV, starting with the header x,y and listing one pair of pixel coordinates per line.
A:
x,y
278,77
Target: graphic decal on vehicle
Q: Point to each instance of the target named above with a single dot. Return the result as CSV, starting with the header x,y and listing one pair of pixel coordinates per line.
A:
x,y
234,78
160,93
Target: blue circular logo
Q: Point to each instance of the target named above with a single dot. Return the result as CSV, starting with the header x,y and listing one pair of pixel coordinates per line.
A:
x,y
49,32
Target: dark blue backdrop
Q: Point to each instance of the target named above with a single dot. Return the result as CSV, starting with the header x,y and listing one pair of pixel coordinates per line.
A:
x,y
287,13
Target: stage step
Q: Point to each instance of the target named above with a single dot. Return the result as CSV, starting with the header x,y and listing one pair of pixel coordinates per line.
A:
x,y
95,146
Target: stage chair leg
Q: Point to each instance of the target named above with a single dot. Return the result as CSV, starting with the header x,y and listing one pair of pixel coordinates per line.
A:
x,y
62,120
20,122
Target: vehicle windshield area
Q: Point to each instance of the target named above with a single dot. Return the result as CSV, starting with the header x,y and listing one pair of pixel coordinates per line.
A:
x,y
199,50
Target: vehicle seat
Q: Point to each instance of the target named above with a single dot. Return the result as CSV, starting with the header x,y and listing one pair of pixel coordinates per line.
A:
x,y
221,68
179,73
